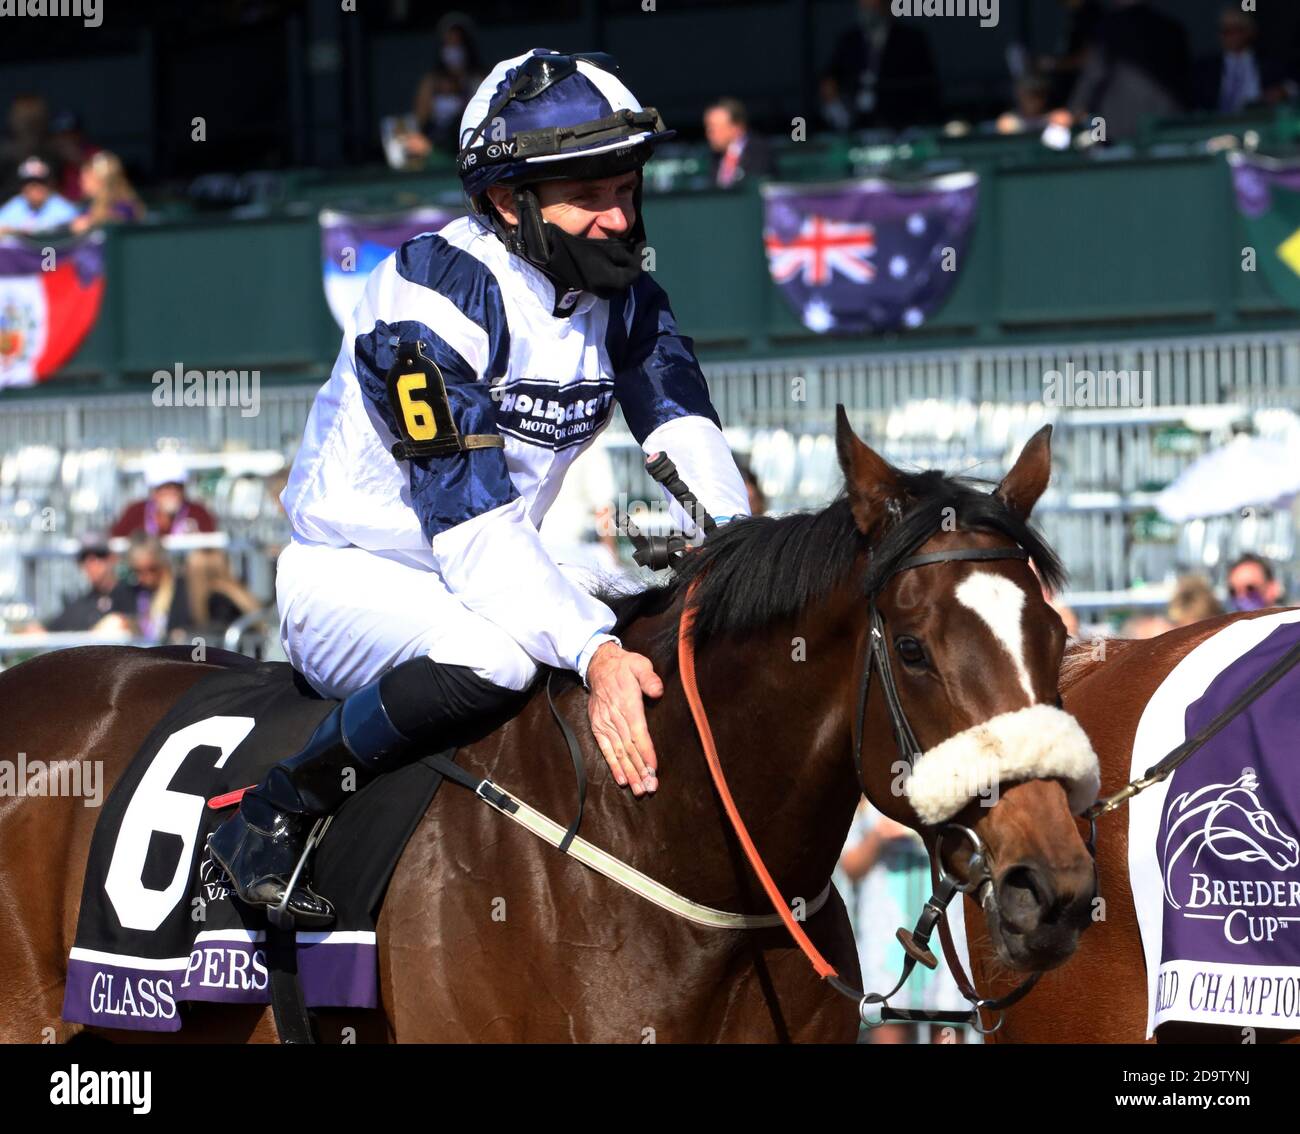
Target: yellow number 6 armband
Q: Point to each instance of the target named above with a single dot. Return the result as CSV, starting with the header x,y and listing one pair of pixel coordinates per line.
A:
x,y
418,395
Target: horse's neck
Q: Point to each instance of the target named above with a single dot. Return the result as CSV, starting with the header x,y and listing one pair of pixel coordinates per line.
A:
x,y
778,708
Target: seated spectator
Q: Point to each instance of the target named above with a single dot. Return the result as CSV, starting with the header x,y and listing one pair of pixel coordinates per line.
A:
x,y
880,74
1239,76
737,154
111,199
1253,584
443,92
28,135
1193,601
108,601
1137,67
165,609
37,207
214,597
154,600
1062,70
439,103
71,152
1032,109
166,510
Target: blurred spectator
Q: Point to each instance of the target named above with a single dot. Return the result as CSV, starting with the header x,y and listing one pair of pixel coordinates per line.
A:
x,y
1239,76
153,587
1145,626
889,868
1066,614
737,154
437,115
165,608
1253,584
880,74
1137,67
442,93
581,526
166,510
28,135
71,152
1193,601
111,199
1032,107
757,498
37,207
1063,69
214,597
108,601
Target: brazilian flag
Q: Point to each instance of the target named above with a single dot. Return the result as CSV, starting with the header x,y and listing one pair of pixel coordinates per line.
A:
x,y
1268,198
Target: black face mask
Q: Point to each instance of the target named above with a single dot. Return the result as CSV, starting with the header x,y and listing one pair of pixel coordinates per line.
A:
x,y
576,263
602,267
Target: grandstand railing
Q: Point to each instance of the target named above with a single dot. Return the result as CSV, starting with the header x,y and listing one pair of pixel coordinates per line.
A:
x,y
965,410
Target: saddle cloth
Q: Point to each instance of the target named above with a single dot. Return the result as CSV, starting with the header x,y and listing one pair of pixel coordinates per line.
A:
x,y
1213,853
157,926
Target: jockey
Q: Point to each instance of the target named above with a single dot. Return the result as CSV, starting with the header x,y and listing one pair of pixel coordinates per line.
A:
x,y
478,365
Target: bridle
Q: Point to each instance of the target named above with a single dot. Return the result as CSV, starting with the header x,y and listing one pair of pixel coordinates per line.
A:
x,y
979,883
980,878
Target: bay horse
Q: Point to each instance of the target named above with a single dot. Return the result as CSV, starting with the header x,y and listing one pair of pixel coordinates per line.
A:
x,y
487,934
1100,996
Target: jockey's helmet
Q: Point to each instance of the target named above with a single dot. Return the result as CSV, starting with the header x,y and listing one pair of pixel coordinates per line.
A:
x,y
545,116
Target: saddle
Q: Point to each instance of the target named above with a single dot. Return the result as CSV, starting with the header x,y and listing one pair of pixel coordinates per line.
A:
x,y
157,926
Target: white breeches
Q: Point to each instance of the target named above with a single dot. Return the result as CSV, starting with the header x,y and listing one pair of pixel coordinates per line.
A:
x,y
347,615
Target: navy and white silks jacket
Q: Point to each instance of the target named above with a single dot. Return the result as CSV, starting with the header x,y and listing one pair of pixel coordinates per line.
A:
x,y
547,384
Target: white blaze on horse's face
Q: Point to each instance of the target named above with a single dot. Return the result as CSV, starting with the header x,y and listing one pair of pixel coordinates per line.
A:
x,y
1000,604
1035,742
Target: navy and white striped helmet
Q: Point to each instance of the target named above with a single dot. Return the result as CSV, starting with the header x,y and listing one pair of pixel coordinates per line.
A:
x,y
545,115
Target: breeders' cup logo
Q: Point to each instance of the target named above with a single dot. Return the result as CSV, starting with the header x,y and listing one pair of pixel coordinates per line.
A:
x,y
1225,823
554,416
215,885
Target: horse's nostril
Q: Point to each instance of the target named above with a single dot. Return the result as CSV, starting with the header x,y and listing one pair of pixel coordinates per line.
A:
x,y
1024,897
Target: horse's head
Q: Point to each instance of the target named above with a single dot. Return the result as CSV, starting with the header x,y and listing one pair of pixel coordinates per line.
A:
x,y
963,673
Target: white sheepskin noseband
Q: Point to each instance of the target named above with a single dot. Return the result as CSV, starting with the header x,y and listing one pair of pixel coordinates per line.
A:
x,y
1039,742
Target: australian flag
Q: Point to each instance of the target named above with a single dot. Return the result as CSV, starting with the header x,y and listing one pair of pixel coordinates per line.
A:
x,y
862,256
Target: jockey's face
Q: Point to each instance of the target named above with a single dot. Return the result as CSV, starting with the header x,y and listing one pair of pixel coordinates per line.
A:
x,y
595,209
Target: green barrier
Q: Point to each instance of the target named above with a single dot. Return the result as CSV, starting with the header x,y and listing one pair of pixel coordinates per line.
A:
x,y
1064,247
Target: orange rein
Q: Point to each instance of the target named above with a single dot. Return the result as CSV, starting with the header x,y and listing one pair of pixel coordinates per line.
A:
x,y
686,663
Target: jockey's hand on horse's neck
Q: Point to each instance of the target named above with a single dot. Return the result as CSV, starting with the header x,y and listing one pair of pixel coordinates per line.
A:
x,y
618,679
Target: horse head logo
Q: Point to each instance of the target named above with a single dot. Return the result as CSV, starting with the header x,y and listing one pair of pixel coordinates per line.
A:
x,y
1229,821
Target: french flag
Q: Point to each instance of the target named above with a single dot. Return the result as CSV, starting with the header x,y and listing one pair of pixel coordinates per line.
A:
x,y
49,300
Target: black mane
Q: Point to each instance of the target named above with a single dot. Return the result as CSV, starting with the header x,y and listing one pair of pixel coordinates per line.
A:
x,y
758,570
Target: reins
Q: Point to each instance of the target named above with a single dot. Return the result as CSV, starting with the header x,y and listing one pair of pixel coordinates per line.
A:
x,y
916,942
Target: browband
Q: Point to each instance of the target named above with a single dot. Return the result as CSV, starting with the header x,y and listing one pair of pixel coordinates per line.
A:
x,y
964,553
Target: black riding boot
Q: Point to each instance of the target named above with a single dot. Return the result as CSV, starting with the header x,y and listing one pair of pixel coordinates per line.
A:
x,y
259,847
417,707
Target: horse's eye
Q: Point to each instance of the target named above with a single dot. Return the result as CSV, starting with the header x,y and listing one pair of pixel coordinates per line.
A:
x,y
910,650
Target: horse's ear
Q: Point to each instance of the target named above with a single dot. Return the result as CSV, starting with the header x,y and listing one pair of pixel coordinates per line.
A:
x,y
1027,480
871,480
